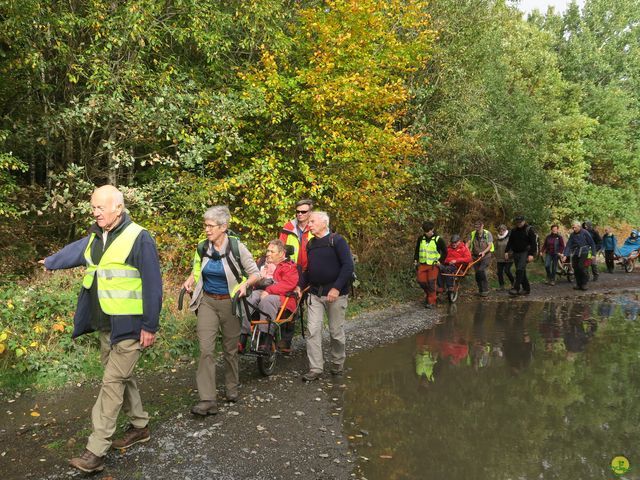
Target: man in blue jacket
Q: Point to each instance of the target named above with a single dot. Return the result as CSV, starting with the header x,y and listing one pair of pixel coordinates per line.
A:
x,y
121,298
581,248
329,273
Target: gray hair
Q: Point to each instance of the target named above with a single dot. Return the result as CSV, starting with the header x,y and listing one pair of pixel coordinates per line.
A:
x,y
219,214
278,244
576,222
324,216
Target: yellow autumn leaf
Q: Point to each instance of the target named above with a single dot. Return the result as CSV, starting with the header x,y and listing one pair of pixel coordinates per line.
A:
x,y
33,344
35,414
2,348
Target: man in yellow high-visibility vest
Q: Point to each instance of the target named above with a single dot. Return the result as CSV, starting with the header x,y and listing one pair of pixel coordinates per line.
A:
x,y
430,252
480,243
121,298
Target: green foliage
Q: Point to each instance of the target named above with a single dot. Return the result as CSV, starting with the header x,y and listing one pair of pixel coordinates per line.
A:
x,y
599,54
8,185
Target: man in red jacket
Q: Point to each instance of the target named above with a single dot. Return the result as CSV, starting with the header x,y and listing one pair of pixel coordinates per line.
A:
x,y
296,232
457,254
269,300
296,235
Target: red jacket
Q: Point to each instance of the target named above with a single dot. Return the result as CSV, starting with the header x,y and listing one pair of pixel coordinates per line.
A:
x,y
290,229
459,255
285,280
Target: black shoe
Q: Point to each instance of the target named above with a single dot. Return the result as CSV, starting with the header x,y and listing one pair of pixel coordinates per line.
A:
x,y
525,292
577,288
514,292
584,288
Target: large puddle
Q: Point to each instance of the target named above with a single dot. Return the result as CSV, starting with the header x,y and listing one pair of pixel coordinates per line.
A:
x,y
519,390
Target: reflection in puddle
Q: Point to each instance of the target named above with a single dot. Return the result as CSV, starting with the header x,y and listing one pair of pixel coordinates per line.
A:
x,y
502,390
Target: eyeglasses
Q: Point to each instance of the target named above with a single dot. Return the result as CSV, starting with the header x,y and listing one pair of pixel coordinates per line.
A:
x,y
302,212
210,226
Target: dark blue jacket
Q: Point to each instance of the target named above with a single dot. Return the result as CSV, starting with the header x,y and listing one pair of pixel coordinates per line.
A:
x,y
89,317
328,266
579,243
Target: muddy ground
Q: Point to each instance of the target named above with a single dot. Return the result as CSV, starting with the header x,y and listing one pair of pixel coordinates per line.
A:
x,y
280,428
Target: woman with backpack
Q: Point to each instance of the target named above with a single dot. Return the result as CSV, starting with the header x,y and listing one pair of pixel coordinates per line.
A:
x,y
220,267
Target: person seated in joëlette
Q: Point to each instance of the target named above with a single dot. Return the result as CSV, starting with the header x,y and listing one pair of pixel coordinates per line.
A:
x,y
269,300
457,254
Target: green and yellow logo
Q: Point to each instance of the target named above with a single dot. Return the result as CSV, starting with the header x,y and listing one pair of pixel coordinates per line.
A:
x,y
620,465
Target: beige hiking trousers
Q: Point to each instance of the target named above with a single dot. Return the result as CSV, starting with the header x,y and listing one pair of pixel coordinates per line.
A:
x,y
119,390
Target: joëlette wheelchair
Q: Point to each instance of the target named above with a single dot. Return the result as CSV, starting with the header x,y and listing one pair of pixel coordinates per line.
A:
x,y
457,276
266,352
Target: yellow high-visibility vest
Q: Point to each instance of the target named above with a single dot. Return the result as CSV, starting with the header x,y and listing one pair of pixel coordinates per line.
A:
x,y
428,252
119,284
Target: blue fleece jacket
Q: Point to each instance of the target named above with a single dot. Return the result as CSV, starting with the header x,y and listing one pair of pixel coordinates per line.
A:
x,y
89,317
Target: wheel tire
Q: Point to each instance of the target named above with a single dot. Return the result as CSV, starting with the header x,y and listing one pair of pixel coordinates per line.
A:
x,y
453,296
628,267
267,363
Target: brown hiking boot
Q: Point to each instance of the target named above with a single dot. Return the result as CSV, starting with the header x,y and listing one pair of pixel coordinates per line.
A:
x,y
132,436
88,462
204,408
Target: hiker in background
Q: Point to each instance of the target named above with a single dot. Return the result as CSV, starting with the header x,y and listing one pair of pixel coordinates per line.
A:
x,y
609,245
480,243
580,247
430,252
503,266
597,240
552,248
295,234
522,247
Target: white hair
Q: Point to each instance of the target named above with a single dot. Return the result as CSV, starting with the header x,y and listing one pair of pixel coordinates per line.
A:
x,y
576,222
118,199
323,216
219,214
